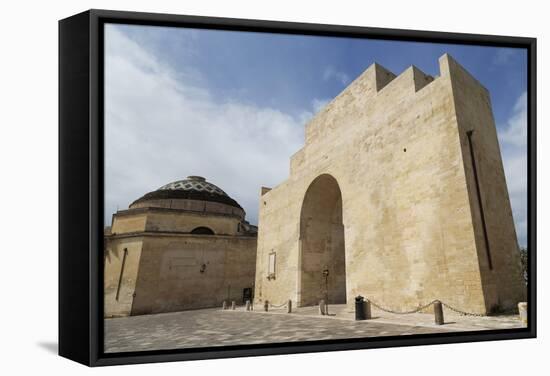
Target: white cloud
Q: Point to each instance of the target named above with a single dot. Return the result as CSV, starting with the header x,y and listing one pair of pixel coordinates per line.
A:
x,y
515,132
513,143
330,73
161,128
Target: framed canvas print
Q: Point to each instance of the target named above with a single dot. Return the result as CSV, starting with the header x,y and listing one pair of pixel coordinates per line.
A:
x,y
235,187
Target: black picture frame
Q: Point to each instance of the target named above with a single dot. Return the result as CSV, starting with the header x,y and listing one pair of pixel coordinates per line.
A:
x,y
81,186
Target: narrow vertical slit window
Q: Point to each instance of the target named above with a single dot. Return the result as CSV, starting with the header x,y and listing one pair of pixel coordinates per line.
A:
x,y
271,266
121,273
479,201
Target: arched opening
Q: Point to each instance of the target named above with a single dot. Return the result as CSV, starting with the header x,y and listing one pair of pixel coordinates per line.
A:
x,y
202,231
322,244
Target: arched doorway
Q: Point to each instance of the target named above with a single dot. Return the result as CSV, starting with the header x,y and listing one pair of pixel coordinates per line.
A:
x,y
322,244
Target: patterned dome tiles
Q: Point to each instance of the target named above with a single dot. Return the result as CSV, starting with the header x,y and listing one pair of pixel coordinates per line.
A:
x,y
193,183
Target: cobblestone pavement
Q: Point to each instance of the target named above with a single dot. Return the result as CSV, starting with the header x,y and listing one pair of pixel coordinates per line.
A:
x,y
214,327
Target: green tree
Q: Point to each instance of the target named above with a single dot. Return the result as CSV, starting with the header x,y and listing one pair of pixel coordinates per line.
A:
x,y
524,256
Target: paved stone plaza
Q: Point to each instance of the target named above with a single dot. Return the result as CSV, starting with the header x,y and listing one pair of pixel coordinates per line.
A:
x,y
214,327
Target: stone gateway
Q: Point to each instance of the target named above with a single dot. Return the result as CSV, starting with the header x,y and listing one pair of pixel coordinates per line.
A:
x,y
398,195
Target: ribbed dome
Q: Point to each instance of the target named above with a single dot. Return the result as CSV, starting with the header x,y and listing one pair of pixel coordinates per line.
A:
x,y
191,188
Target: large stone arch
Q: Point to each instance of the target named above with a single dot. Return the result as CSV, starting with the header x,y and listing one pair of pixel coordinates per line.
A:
x,y
322,244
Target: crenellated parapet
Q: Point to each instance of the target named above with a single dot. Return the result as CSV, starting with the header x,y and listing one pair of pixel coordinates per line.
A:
x,y
374,89
375,84
375,81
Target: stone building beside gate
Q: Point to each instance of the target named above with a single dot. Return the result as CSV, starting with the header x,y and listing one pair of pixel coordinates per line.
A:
x,y
183,246
398,195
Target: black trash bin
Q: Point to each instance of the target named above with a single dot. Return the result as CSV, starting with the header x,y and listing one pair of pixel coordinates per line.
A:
x,y
360,308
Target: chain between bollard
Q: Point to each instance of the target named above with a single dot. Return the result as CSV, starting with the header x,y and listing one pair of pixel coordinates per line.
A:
x,y
463,313
420,308
287,305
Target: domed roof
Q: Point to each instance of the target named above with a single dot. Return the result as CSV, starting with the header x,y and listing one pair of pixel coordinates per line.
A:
x,y
193,183
191,188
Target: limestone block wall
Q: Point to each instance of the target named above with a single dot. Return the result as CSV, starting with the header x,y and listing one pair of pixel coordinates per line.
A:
x,y
128,223
115,274
498,254
170,277
278,231
172,220
395,148
174,272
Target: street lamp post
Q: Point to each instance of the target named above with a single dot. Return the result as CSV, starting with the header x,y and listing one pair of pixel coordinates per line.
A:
x,y
325,274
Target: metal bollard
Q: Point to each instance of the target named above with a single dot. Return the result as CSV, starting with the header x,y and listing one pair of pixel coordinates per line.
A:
x,y
522,308
289,306
438,312
266,305
224,305
360,309
321,307
233,305
248,305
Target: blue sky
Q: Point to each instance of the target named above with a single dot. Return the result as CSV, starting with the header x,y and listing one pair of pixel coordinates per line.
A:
x,y
177,99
